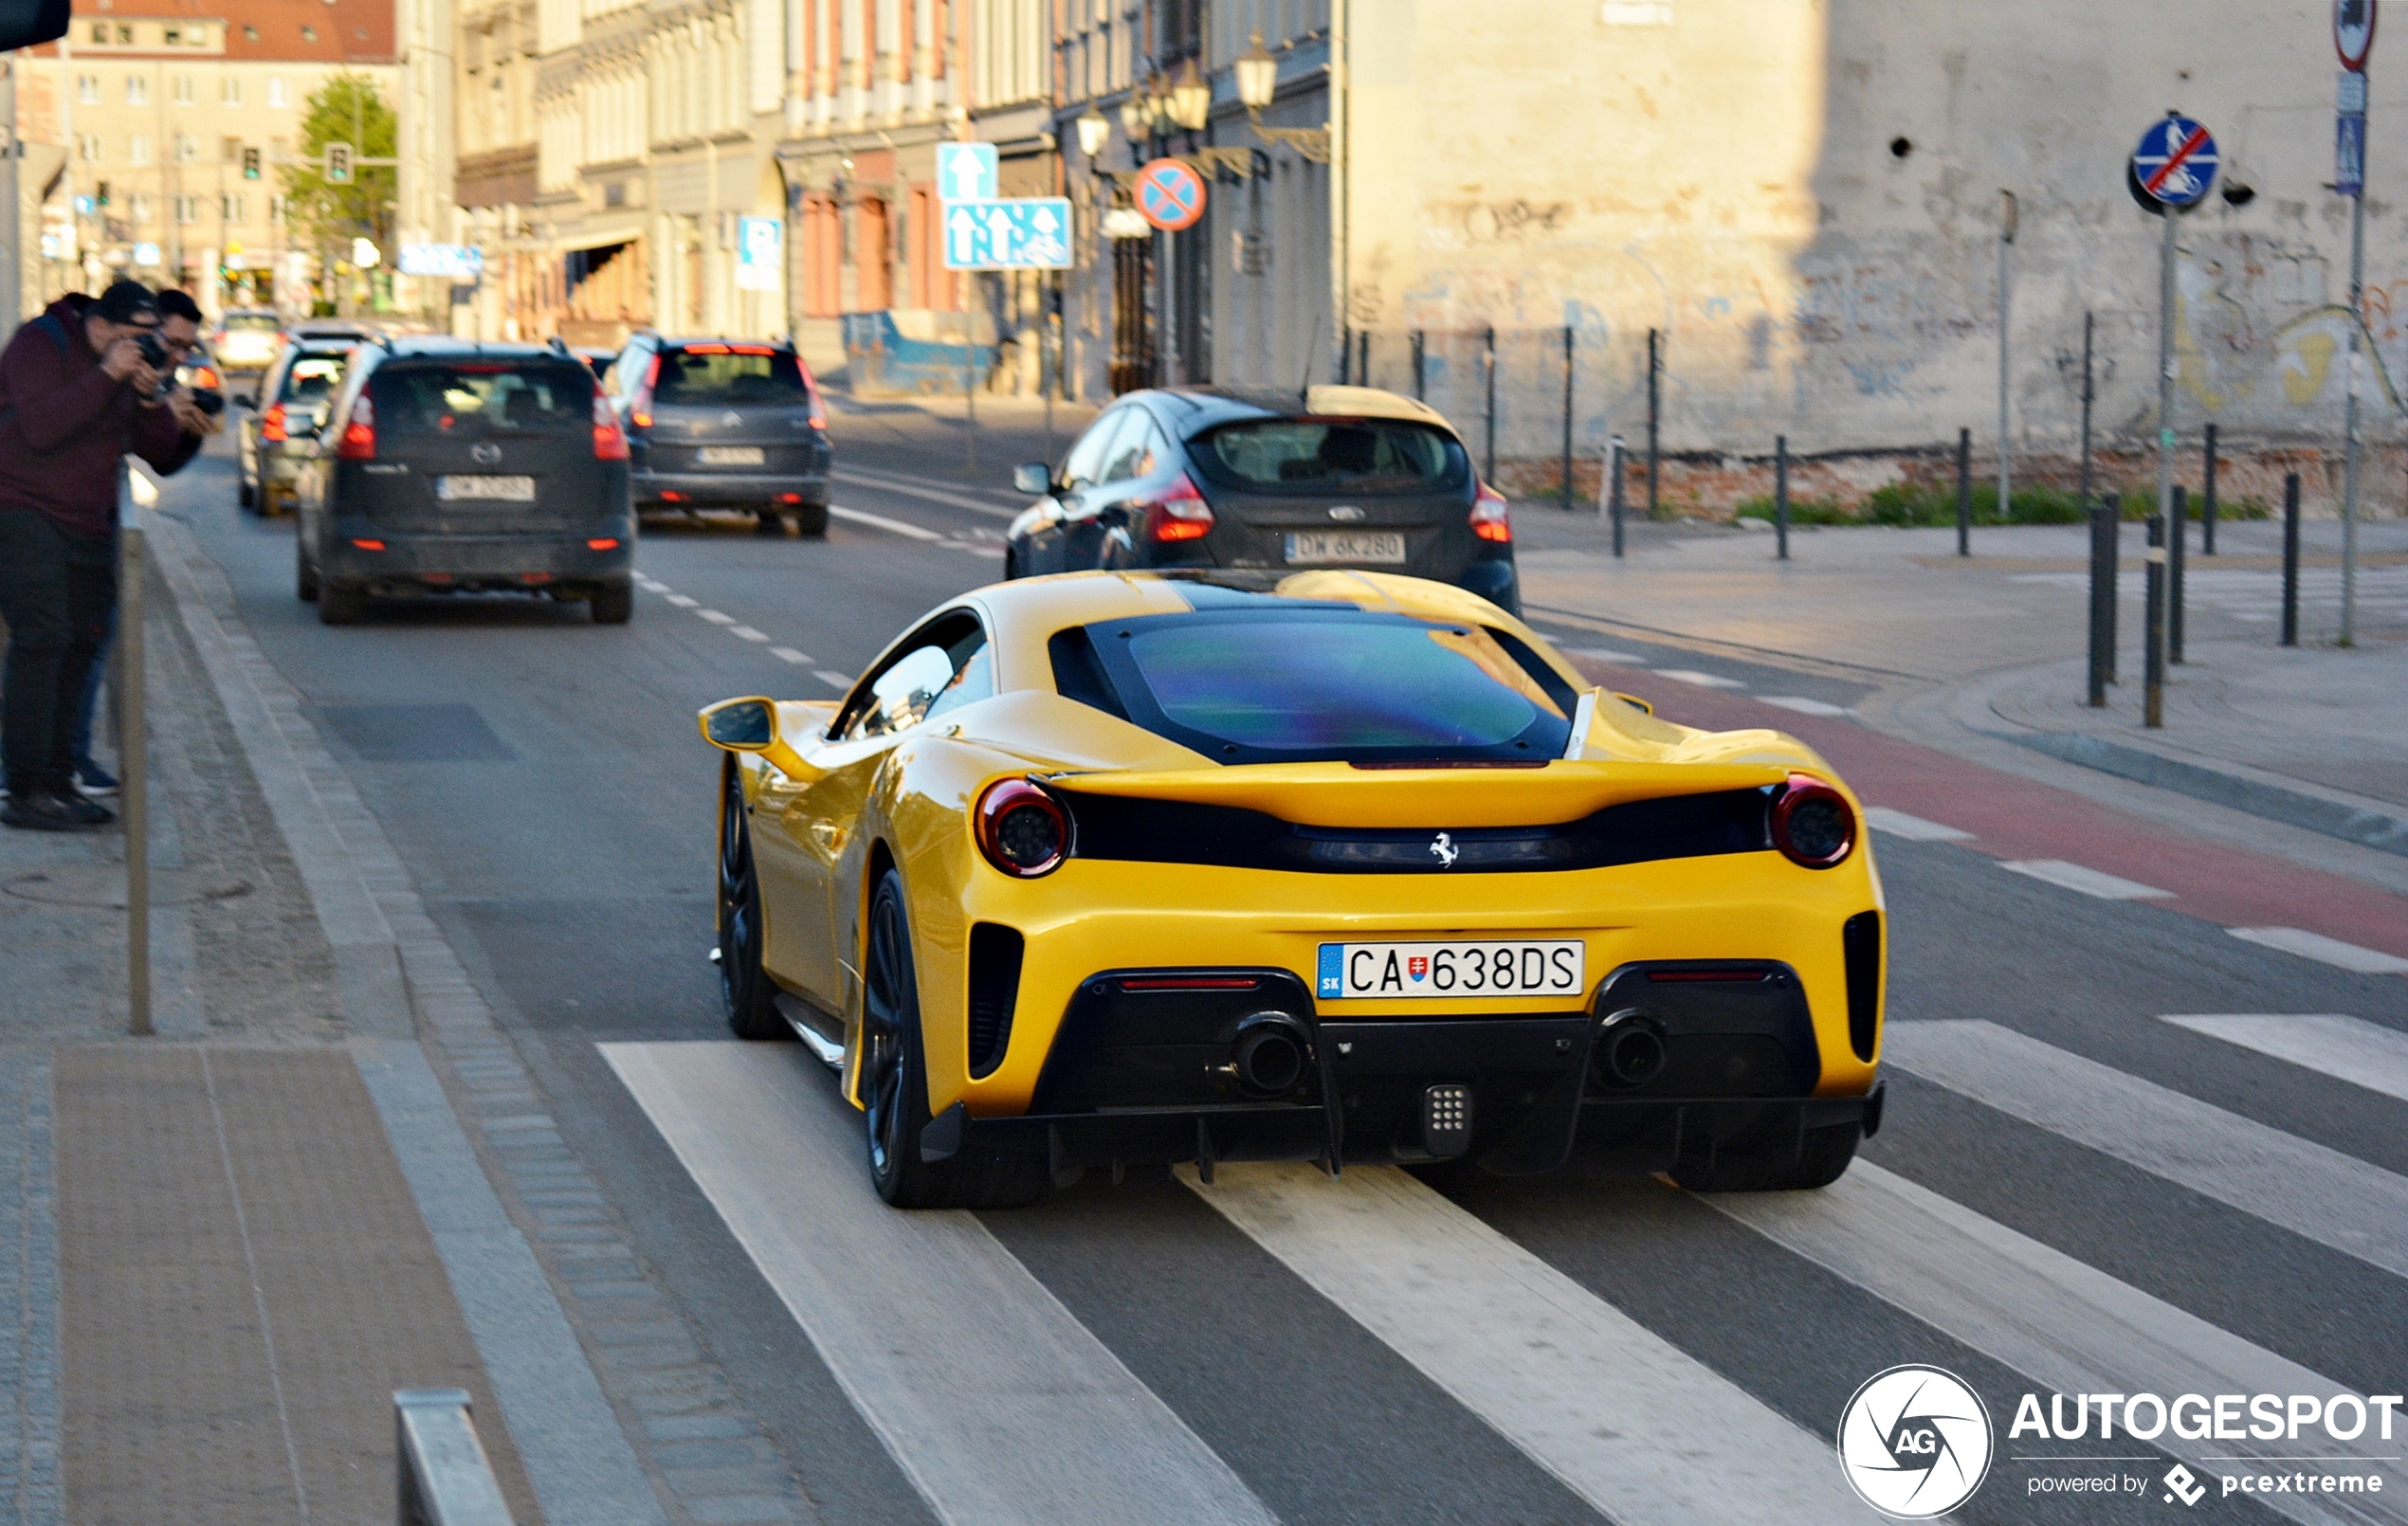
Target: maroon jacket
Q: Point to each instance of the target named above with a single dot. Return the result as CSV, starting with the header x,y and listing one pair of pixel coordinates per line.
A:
x,y
67,421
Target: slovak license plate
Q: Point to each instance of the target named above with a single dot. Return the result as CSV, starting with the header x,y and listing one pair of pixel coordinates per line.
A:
x,y
1305,547
486,489
733,456
1524,967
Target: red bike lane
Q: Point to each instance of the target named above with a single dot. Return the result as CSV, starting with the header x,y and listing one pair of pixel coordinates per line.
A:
x,y
2014,819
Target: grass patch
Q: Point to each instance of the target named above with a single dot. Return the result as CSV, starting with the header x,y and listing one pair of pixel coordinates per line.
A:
x,y
1908,505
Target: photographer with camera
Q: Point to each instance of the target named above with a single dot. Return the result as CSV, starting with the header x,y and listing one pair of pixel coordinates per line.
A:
x,y
89,380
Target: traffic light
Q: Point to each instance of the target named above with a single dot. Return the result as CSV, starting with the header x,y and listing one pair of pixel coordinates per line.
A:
x,y
250,164
338,164
101,194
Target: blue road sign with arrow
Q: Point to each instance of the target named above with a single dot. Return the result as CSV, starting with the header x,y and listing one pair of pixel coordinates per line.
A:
x,y
967,171
1019,233
2175,161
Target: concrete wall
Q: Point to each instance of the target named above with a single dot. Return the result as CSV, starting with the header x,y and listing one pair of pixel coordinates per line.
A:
x,y
1726,171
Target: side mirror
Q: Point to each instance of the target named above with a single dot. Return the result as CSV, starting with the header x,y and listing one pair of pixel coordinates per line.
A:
x,y
740,725
1034,478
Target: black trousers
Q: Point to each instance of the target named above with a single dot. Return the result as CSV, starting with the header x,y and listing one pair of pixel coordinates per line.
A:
x,y
57,593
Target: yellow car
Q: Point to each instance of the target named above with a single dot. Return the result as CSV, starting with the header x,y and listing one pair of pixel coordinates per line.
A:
x,y
1109,869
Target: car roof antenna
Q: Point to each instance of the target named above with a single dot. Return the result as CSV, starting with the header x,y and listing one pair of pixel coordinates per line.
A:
x,y
1305,383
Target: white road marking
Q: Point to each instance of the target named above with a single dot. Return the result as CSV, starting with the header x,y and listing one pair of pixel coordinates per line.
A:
x,y
682,602
650,585
1607,654
1639,1428
747,633
879,521
2334,1199
1704,681
2317,945
1898,824
788,654
992,1399
2347,1048
832,680
717,617
2066,1325
1805,706
974,548
888,482
2089,881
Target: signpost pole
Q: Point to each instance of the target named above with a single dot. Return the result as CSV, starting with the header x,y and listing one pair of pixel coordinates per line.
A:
x,y
2153,703
134,802
2349,412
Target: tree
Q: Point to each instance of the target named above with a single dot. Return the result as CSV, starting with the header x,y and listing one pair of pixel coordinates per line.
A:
x,y
346,109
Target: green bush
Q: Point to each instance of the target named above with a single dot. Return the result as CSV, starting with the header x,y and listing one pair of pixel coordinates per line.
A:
x,y
1801,511
1911,505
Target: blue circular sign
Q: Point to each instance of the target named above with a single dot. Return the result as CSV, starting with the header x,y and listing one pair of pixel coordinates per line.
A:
x,y
2175,161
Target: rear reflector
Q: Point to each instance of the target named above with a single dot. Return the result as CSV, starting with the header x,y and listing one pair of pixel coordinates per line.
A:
x,y
370,545
790,498
672,498
535,577
1188,982
603,543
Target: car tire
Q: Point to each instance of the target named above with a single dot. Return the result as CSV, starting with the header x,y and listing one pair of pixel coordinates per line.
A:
x,y
340,606
1010,564
304,576
894,1086
1768,1166
613,603
750,996
771,523
811,519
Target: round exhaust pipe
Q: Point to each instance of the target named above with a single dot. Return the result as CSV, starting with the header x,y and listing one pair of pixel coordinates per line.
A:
x,y
1270,1054
1630,1050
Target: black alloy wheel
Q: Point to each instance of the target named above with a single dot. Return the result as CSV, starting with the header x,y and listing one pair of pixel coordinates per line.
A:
x,y
894,1086
745,986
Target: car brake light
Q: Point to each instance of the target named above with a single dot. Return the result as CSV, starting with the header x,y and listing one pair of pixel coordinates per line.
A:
x,y
639,411
1490,520
1021,829
360,436
1179,514
271,425
603,543
1813,825
610,442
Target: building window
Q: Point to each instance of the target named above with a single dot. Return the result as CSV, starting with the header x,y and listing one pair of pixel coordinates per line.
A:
x,y
276,96
174,36
309,34
250,33
124,35
188,148
137,90
230,206
183,89
277,207
89,145
188,209
230,149
280,151
101,32
138,150
87,89
229,91
139,209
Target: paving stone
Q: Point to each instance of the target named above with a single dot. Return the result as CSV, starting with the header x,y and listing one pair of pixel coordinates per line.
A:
x,y
712,1454
696,1428
738,1508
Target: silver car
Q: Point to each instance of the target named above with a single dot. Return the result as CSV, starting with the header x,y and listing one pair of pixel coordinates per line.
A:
x,y
293,399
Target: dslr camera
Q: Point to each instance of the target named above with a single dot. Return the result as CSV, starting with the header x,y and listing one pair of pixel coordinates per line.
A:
x,y
153,352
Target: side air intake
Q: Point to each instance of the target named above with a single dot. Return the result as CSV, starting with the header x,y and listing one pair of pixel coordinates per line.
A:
x,y
1860,942
994,989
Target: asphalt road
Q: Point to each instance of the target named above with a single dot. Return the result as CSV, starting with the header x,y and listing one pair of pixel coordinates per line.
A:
x,y
2071,1193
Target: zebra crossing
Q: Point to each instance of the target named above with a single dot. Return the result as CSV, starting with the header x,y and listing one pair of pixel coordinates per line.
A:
x,y
978,1370
2255,596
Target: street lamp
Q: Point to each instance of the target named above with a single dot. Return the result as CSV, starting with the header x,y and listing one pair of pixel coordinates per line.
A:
x,y
1257,76
1094,133
1191,100
1137,113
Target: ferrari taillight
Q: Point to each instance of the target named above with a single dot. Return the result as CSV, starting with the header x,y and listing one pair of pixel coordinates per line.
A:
x,y
1813,824
1490,520
359,442
1179,514
271,425
1021,829
610,441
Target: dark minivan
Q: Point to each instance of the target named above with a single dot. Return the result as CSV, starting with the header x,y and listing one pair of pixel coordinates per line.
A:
x,y
724,423
446,466
1211,476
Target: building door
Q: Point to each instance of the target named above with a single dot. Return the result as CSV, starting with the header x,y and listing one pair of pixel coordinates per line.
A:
x,y
1132,364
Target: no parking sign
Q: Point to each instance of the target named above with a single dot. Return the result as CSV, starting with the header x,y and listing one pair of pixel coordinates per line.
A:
x,y
1170,196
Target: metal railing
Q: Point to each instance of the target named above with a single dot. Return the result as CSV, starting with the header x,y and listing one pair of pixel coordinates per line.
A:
x,y
445,1478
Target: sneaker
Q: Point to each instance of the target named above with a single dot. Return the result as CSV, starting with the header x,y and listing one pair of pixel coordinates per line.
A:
x,y
50,813
86,812
93,779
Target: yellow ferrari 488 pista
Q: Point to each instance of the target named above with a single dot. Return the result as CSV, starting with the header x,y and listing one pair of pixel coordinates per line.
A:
x,y
1109,869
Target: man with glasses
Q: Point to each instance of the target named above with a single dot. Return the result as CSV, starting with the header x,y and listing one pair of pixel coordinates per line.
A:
x,y
77,392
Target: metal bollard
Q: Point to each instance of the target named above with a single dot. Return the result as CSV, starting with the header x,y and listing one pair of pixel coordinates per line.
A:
x,y
445,1478
1614,470
2102,570
2182,535
1964,492
1780,497
2207,500
2291,559
2153,645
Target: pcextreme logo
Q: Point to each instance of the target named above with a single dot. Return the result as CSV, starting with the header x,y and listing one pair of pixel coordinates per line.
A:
x,y
1915,1442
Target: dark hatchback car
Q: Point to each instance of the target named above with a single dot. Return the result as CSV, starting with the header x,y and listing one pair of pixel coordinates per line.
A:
x,y
1345,477
724,423
446,466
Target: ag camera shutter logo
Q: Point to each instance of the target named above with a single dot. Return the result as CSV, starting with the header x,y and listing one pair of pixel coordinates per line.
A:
x,y
1915,1442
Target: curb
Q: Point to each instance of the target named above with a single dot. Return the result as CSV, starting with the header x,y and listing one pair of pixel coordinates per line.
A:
x,y
2331,818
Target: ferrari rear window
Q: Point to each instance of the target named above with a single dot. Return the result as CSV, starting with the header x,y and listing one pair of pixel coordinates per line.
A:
x,y
1359,457
1297,685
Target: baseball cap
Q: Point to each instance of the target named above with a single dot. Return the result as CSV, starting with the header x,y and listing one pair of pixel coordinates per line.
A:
x,y
127,301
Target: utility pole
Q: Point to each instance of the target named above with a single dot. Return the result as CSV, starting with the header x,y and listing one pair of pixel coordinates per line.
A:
x,y
2153,697
2357,193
